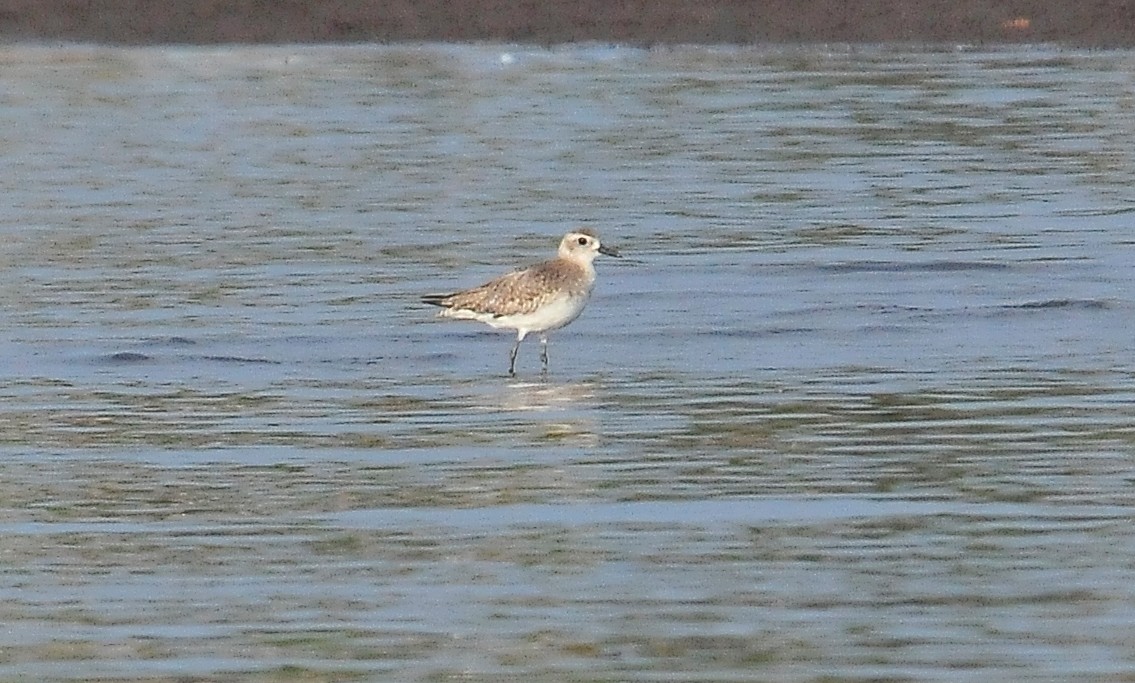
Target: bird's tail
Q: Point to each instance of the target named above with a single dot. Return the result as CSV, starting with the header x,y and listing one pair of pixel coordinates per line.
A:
x,y
435,299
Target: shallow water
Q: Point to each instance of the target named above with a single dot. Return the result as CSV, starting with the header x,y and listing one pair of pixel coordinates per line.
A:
x,y
857,406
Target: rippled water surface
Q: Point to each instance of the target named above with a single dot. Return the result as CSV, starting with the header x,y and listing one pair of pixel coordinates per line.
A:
x,y
857,406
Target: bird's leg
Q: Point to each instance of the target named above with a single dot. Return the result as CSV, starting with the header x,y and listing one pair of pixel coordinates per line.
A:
x,y
512,359
544,353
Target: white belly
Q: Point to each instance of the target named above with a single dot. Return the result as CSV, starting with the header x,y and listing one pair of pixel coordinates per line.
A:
x,y
551,316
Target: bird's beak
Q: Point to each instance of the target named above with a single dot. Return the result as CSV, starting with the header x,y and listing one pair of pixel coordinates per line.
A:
x,y
609,251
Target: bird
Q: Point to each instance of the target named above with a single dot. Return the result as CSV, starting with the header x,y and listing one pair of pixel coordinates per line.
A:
x,y
538,299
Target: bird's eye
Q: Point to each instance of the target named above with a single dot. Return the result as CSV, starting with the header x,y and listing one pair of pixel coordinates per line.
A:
x,y
582,241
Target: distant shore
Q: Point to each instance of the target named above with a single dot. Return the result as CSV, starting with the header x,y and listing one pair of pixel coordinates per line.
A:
x,y
1090,23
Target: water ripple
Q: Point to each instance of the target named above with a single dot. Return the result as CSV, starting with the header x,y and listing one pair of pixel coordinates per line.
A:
x,y
857,402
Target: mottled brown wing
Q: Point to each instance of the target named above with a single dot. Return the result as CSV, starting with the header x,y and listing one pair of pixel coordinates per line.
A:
x,y
513,294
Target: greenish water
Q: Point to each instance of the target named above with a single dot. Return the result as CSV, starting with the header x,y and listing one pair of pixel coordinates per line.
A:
x,y
857,408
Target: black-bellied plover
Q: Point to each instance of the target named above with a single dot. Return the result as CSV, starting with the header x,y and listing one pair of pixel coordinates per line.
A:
x,y
539,299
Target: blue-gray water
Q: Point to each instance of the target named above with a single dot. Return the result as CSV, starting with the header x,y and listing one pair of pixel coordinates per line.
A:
x,y
858,407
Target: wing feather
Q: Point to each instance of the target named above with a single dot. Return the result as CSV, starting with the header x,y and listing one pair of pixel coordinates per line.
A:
x,y
518,293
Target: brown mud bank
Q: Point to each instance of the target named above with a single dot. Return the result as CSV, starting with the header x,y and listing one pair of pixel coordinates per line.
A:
x,y
1098,23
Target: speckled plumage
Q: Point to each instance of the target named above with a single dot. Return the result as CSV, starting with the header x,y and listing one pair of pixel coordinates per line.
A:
x,y
521,292
541,298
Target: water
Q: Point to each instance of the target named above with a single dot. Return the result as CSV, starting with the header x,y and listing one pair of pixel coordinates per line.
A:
x,y
858,407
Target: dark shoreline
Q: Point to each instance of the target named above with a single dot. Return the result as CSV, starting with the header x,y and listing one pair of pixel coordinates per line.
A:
x,y
1086,23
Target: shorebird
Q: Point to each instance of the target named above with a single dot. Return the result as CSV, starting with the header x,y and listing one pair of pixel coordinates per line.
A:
x,y
540,298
